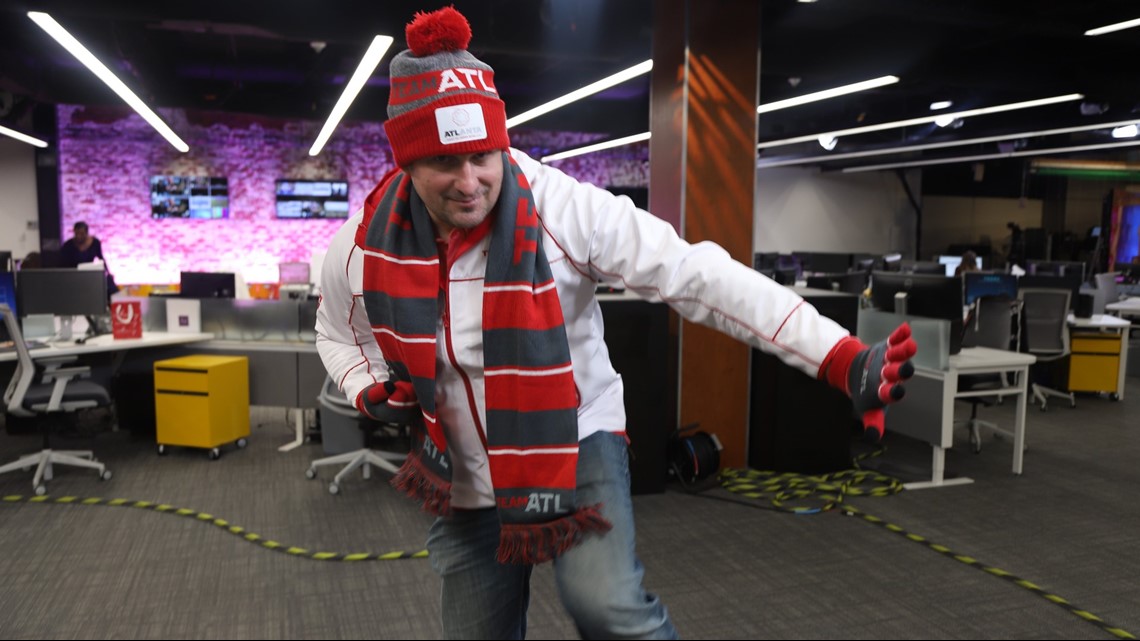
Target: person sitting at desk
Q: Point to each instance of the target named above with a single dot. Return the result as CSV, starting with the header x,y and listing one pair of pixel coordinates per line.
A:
x,y
969,263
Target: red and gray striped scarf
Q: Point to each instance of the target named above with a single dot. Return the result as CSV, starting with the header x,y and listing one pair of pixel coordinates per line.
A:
x,y
531,434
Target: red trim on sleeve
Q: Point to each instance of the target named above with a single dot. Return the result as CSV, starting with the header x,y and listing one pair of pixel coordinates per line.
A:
x,y
838,362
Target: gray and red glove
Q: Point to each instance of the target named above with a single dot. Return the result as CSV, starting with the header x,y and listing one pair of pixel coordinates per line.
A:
x,y
872,376
390,401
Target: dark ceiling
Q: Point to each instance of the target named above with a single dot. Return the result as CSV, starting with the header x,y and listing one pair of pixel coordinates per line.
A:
x,y
259,58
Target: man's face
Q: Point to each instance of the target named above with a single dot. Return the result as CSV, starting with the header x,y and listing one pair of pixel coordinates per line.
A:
x,y
80,235
459,190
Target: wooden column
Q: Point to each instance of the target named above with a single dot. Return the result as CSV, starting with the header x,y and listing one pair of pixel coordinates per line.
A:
x,y
705,89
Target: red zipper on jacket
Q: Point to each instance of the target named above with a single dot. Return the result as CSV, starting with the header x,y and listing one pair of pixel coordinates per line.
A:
x,y
445,285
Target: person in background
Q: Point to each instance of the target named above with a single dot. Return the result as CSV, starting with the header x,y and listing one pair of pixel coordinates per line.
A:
x,y
464,293
969,263
82,247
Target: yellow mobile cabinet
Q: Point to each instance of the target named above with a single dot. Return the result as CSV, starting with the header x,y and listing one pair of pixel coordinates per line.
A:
x,y
1095,362
201,401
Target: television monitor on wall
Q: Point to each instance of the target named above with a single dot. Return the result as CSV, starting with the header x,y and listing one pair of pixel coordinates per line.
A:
x,y
312,199
199,197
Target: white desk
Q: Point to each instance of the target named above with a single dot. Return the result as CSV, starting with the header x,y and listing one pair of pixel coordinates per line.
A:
x,y
1115,324
108,343
971,360
1126,307
277,377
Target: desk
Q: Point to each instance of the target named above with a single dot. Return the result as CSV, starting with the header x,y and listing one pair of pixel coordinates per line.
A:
x,y
937,390
1098,344
282,374
108,343
1126,307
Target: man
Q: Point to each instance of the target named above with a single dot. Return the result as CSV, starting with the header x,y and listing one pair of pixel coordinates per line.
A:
x,y
465,291
82,247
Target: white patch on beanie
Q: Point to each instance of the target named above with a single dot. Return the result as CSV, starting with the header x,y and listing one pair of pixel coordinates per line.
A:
x,y
460,123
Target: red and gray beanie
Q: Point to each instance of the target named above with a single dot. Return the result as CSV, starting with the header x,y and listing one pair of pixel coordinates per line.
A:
x,y
443,100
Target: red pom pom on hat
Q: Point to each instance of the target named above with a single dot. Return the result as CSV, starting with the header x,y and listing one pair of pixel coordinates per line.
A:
x,y
442,30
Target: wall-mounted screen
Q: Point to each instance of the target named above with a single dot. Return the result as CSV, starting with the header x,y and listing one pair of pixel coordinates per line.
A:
x,y
189,197
312,199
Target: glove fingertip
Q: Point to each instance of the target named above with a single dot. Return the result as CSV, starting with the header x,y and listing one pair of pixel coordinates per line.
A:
x,y
901,333
874,422
906,370
898,391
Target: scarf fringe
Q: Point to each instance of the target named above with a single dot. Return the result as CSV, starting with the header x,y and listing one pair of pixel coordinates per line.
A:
x,y
536,543
420,484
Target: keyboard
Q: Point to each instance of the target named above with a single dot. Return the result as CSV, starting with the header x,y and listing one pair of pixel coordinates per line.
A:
x,y
9,346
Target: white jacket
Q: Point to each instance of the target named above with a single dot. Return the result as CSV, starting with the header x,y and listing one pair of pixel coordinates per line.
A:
x,y
590,236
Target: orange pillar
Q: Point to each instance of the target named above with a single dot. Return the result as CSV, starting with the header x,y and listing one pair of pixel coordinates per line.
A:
x,y
702,155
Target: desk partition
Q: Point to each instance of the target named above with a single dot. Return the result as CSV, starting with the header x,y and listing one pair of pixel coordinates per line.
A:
x,y
918,415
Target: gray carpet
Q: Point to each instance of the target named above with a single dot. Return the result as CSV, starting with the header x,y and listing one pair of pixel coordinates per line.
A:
x,y
1068,525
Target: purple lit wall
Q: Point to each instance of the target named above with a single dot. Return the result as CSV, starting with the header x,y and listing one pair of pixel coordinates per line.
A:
x,y
107,157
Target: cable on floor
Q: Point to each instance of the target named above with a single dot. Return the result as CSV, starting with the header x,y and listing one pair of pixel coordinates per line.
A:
x,y
788,492
226,526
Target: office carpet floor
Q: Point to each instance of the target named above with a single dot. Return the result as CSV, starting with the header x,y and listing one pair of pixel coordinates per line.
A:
x,y
1069,525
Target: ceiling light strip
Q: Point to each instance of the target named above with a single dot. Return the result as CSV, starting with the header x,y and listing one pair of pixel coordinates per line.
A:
x,y
578,94
828,93
923,120
1012,154
1120,26
363,72
12,133
628,140
75,48
763,164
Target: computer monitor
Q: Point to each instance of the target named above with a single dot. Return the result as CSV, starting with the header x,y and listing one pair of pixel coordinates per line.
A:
x,y
62,292
951,263
786,262
764,260
8,291
849,283
825,262
1070,281
928,295
1055,268
207,285
979,284
925,267
7,297
5,261
785,277
293,273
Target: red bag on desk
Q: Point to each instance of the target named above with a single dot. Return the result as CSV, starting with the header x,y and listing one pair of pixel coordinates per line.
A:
x,y
126,319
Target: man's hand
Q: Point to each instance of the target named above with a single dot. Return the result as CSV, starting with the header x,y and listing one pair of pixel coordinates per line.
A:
x,y
390,401
876,379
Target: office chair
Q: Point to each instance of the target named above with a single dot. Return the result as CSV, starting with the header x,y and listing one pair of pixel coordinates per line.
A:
x,y
1046,332
1106,288
332,401
990,325
58,391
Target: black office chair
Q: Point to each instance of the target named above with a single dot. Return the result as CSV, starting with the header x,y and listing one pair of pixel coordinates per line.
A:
x,y
1046,331
990,325
57,391
339,414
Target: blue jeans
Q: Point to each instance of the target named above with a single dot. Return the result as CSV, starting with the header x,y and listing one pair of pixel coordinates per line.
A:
x,y
599,580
